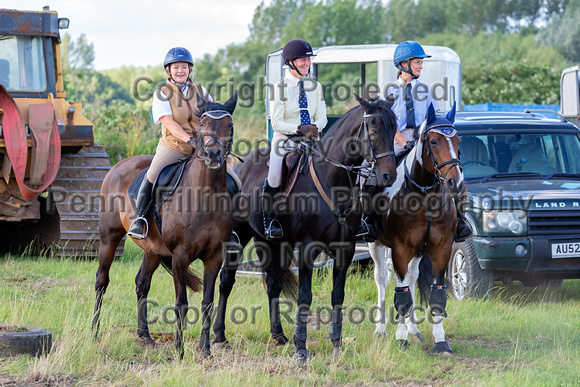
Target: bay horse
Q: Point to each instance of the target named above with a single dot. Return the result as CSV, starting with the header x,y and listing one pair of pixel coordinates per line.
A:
x,y
195,224
366,132
419,226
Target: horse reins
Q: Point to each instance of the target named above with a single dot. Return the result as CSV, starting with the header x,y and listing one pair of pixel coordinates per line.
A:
x,y
437,177
349,168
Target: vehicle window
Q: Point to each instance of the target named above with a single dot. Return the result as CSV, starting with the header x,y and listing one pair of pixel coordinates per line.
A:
x,y
483,155
22,63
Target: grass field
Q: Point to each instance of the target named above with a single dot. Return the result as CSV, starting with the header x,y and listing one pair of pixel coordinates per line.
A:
x,y
520,337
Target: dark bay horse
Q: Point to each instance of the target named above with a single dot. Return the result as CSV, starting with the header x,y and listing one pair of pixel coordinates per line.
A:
x,y
196,222
329,222
419,227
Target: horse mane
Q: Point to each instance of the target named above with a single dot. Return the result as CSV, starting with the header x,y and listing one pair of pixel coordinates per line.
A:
x,y
378,106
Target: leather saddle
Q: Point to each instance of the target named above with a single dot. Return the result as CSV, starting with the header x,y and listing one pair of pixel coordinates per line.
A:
x,y
292,166
166,183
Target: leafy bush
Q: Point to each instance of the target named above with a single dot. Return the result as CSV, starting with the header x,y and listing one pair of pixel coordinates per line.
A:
x,y
124,129
511,83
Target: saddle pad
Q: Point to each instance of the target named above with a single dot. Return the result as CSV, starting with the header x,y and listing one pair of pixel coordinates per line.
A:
x,y
168,179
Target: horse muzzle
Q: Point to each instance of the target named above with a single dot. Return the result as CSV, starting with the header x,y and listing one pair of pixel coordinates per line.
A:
x,y
214,158
454,186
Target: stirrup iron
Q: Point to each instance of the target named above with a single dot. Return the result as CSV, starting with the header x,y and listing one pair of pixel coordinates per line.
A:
x,y
145,228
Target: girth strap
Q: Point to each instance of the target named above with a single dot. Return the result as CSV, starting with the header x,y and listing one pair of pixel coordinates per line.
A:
x,y
341,216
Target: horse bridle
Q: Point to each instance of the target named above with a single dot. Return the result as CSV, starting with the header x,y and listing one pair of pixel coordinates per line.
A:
x,y
438,176
216,115
358,169
349,168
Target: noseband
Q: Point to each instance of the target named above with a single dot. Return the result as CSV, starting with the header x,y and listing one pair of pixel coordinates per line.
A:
x,y
216,115
374,158
438,177
437,166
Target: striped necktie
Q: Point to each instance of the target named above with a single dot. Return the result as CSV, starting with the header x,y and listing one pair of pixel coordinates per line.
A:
x,y
410,108
303,105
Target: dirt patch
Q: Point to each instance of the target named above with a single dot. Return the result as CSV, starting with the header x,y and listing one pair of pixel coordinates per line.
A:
x,y
7,380
37,379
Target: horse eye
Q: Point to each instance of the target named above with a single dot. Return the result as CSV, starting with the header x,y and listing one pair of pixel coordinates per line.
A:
x,y
433,142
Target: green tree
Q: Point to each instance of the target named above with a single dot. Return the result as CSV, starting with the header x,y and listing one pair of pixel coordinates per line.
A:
x,y
81,81
563,32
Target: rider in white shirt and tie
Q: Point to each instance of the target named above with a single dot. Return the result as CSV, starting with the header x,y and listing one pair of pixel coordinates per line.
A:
x,y
298,109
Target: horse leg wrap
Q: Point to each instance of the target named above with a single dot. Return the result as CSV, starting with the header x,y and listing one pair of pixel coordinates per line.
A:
x,y
403,301
438,300
335,331
300,334
300,330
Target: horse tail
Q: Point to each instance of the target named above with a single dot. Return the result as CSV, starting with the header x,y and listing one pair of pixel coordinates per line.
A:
x,y
425,278
282,278
289,284
193,281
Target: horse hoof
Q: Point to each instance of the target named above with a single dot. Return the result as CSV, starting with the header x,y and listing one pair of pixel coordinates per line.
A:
x,y
302,355
442,348
335,352
380,332
403,343
221,345
149,342
280,340
417,337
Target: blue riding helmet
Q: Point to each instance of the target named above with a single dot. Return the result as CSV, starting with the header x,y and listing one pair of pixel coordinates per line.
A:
x,y
406,51
178,54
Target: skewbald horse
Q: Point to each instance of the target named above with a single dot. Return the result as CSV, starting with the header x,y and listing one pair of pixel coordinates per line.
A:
x,y
419,226
189,230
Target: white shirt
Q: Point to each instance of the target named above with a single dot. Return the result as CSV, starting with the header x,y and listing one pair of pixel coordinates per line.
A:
x,y
161,106
284,104
421,99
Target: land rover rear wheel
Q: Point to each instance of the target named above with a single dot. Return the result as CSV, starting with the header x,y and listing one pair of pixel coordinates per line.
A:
x,y
465,278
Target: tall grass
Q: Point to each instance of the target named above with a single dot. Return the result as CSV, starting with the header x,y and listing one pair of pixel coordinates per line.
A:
x,y
520,337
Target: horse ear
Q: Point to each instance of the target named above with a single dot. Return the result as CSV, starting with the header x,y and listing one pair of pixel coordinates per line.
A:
x,y
451,115
431,116
230,104
201,103
363,102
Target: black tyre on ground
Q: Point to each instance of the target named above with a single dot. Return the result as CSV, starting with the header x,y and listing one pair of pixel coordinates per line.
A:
x,y
465,278
30,341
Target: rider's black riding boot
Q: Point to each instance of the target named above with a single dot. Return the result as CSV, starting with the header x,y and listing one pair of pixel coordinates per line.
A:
x,y
463,230
137,229
272,228
369,227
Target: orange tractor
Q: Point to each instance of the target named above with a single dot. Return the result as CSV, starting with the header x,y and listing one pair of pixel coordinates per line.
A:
x,y
50,169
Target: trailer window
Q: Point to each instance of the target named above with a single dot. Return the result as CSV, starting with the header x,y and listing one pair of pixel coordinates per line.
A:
x,y
22,63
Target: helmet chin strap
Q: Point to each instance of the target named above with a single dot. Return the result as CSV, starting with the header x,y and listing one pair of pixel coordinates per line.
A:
x,y
291,65
182,85
408,70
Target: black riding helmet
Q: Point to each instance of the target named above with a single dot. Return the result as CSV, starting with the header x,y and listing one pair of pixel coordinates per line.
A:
x,y
296,48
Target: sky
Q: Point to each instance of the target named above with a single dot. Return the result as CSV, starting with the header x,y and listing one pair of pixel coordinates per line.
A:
x,y
140,32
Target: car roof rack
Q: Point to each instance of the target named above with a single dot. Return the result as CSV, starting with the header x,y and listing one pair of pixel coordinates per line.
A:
x,y
532,111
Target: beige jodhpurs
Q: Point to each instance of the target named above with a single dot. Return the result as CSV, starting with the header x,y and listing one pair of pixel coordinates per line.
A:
x,y
163,157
